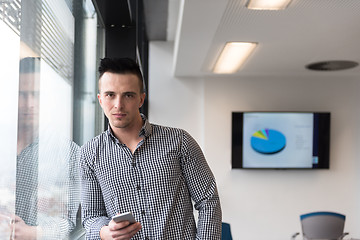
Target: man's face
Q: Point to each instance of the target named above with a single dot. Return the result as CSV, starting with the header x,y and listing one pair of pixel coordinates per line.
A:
x,y
29,90
120,98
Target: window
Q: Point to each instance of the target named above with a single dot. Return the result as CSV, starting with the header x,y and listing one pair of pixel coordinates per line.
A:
x,y
42,90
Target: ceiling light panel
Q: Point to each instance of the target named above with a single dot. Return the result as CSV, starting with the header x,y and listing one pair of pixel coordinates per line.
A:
x,y
233,56
267,4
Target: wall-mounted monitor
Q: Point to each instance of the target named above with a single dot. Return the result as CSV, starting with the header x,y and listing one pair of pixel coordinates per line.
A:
x,y
281,140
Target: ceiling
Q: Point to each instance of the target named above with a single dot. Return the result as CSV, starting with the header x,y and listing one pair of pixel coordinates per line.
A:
x,y
307,31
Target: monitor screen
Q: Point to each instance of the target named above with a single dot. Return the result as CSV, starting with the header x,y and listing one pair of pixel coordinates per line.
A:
x,y
280,140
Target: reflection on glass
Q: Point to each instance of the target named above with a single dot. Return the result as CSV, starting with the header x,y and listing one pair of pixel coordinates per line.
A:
x,y
39,183
27,149
9,68
38,165
46,175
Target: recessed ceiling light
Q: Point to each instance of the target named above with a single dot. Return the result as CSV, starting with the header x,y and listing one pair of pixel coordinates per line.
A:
x,y
233,56
332,65
267,4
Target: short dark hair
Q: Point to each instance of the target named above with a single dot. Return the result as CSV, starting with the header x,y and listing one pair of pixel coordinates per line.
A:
x,y
121,66
30,65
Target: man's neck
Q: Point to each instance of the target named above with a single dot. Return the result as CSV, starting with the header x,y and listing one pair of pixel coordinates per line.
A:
x,y
26,136
129,136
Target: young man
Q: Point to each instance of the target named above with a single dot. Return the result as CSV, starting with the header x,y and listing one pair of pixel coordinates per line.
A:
x,y
47,182
152,171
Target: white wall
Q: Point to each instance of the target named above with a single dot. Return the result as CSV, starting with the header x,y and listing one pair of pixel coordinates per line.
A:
x,y
264,204
174,102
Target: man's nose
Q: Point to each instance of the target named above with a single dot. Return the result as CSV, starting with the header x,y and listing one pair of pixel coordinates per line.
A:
x,y
118,102
29,100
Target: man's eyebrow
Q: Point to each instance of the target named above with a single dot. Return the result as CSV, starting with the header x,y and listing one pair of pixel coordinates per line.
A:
x,y
129,92
124,93
107,92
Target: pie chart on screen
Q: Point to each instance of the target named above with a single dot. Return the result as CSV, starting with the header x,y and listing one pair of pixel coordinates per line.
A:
x,y
268,141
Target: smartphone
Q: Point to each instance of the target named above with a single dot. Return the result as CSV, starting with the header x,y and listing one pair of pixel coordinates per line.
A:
x,y
127,216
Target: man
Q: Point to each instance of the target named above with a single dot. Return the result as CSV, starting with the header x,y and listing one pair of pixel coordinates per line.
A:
x,y
47,181
150,170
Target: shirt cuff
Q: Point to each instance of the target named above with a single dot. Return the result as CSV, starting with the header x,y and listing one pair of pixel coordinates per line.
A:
x,y
93,231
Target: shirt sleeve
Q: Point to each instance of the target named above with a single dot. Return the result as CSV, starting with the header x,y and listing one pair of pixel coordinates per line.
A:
x,y
60,225
202,187
94,215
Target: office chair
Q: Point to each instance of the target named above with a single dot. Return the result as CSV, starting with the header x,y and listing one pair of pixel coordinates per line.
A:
x,y
322,225
225,231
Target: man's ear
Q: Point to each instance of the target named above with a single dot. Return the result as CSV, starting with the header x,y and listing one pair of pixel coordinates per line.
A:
x,y
99,98
142,99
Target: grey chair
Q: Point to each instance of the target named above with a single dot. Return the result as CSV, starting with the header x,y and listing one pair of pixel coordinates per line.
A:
x,y
322,225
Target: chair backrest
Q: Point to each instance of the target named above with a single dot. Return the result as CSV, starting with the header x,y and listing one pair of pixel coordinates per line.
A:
x,y
225,232
322,225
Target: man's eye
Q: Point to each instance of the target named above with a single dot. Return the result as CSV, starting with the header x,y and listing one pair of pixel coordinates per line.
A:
x,y
129,95
109,95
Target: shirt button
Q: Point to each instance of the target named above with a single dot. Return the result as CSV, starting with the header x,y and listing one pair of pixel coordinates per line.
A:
x,y
143,212
134,164
147,238
138,187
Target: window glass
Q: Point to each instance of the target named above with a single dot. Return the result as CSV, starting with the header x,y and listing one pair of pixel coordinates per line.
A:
x,y
9,65
85,73
39,185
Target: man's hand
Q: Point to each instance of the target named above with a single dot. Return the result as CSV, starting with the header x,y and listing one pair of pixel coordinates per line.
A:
x,y
22,231
119,231
5,226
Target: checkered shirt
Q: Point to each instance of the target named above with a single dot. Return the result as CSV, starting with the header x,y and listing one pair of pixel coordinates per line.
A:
x,y
157,184
47,186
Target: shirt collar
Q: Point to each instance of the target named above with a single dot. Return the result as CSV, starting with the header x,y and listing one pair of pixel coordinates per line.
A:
x,y
145,130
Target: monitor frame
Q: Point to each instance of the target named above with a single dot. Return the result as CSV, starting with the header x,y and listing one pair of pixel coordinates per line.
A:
x,y
321,140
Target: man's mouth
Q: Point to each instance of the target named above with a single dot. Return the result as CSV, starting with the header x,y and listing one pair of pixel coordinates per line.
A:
x,y
119,115
28,114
